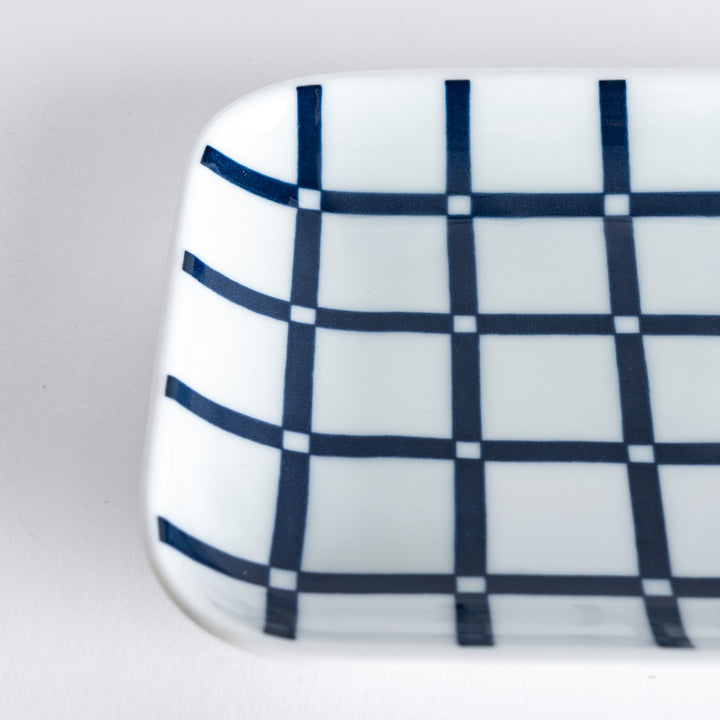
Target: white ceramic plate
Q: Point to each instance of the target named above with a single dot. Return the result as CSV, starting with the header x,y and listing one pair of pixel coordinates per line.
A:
x,y
441,366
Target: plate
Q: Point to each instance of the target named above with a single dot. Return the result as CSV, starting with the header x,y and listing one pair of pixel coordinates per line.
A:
x,y
439,370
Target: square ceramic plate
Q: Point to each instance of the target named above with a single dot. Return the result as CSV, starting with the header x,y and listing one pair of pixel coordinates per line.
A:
x,y
440,367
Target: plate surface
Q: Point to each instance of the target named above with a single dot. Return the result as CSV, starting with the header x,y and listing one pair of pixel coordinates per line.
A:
x,y
439,367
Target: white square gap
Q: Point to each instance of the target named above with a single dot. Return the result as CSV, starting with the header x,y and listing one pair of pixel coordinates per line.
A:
x,y
468,584
617,204
382,384
559,519
283,579
549,388
309,199
459,205
299,442
464,323
380,515
301,314
641,453
657,586
467,450
625,324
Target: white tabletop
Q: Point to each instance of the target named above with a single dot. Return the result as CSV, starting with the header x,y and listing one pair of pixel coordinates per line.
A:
x,y
101,104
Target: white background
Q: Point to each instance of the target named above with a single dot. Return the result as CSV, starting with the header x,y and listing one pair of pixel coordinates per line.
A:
x,y
100,103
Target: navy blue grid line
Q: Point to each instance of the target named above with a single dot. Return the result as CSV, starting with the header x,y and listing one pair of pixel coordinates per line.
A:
x,y
687,453
473,622
428,322
614,134
281,611
696,587
403,446
370,203
222,417
292,500
375,583
648,516
529,205
419,583
488,205
211,557
399,446
360,321
263,185
235,292
680,325
675,204
309,104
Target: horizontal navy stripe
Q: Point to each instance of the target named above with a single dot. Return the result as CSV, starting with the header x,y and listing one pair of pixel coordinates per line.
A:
x,y
524,205
368,203
444,583
222,417
564,585
696,587
381,446
250,180
432,448
500,205
210,556
687,453
488,324
361,583
674,204
680,324
235,292
384,321
569,324
553,451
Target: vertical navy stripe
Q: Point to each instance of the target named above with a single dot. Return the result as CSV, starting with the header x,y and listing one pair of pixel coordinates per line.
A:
x,y
472,616
281,613
461,266
306,258
470,526
622,266
649,520
297,406
291,511
471,609
614,132
457,122
465,359
653,560
634,389
309,103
